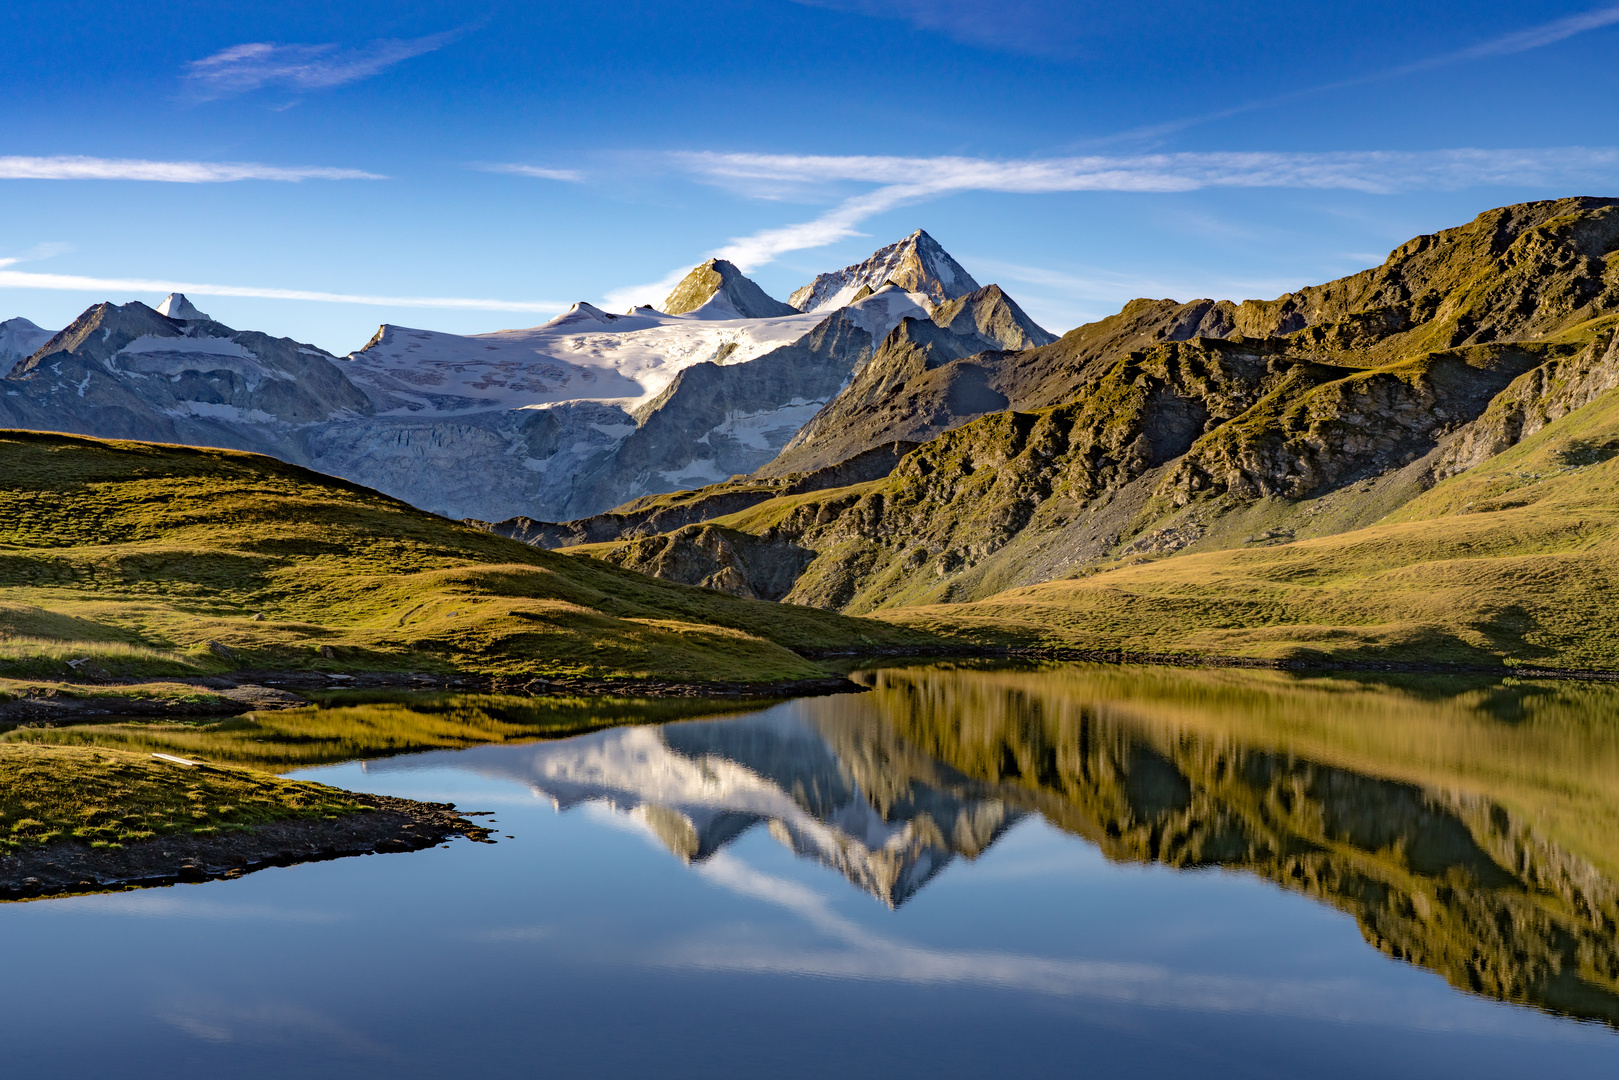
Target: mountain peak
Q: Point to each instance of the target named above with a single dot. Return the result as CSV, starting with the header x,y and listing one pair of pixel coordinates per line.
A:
x,y
916,264
719,280
583,312
176,306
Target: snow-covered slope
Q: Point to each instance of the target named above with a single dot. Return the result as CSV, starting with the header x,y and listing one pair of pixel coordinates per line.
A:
x,y
20,339
697,786
916,264
585,353
177,307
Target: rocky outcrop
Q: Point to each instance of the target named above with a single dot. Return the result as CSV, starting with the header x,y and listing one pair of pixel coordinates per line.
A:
x,y
724,560
1533,400
914,387
719,281
916,264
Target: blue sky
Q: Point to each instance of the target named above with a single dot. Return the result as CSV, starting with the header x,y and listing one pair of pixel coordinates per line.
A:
x,y
322,168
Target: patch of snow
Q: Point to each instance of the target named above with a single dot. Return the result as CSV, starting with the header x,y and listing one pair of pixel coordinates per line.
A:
x,y
213,410
176,306
695,474
20,339
768,429
151,343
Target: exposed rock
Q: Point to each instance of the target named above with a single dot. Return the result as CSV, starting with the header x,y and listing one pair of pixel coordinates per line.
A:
x,y
718,280
914,387
916,264
716,558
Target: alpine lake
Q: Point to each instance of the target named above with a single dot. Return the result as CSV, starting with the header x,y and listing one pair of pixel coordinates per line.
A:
x,y
965,871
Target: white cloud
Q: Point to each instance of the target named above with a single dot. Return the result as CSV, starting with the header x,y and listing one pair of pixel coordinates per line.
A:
x,y
255,65
857,952
652,293
14,279
173,172
907,180
1523,40
572,176
1375,171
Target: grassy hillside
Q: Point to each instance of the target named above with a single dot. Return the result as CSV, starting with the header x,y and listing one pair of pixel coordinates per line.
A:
x,y
1516,560
110,797
1193,428
148,559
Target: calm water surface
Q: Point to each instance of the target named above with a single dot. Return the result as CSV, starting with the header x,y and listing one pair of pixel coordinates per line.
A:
x,y
1073,871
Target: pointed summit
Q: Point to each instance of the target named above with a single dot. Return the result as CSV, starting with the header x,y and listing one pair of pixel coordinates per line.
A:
x,y
178,307
916,264
719,281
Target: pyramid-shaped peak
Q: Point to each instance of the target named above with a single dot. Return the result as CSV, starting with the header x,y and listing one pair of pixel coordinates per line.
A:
x,y
917,264
721,284
583,312
176,306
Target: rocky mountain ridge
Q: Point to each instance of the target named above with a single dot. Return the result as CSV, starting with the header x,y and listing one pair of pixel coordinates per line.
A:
x,y
1208,425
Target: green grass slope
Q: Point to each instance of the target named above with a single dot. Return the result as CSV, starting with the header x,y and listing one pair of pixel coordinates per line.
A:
x,y
149,559
1515,561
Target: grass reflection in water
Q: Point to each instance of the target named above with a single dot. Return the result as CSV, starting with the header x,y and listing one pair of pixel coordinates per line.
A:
x,y
1469,827
355,725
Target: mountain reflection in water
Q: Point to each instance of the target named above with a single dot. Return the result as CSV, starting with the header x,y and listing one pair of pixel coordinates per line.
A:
x,y
1469,829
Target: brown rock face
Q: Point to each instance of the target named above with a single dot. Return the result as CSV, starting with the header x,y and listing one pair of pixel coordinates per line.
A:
x,y
916,264
716,277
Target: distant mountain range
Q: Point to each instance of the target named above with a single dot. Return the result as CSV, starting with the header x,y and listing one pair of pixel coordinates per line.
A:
x,y
559,421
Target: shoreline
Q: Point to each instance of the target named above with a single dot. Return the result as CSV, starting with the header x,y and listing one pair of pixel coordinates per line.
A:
x,y
259,691
70,867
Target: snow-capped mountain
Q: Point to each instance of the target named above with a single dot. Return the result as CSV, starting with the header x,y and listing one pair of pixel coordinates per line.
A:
x,y
697,786
916,264
584,353
553,422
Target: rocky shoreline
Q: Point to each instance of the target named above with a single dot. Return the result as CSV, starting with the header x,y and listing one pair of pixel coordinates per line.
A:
x,y
391,825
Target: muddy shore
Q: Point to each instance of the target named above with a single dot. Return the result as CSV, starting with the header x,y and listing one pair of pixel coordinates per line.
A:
x,y
390,826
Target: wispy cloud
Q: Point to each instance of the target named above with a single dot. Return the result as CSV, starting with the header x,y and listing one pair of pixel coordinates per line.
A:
x,y
1518,41
1037,27
856,952
256,65
539,172
908,180
16,279
173,172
